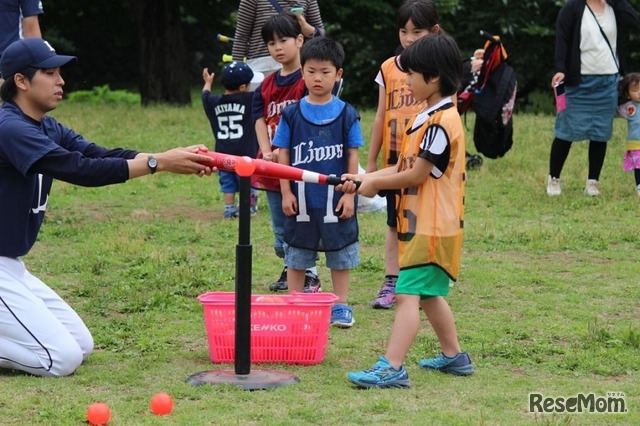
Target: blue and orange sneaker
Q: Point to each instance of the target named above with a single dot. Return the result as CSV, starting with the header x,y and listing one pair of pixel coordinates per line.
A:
x,y
459,365
381,375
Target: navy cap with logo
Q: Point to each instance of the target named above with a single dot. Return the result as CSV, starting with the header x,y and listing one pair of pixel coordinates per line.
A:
x,y
30,52
235,74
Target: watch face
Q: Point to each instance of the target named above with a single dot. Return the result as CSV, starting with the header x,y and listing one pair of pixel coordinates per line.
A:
x,y
152,163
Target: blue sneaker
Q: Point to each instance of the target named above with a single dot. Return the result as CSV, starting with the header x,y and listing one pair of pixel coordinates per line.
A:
x,y
231,212
342,316
381,375
459,365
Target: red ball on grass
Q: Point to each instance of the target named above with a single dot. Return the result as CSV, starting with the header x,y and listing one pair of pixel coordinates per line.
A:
x,y
98,413
161,404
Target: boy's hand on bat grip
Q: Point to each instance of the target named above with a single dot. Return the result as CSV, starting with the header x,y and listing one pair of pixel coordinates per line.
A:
x,y
350,183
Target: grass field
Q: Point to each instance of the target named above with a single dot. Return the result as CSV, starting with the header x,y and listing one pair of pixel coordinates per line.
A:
x,y
547,300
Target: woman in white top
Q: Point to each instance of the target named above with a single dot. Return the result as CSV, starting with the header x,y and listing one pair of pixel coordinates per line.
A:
x,y
589,58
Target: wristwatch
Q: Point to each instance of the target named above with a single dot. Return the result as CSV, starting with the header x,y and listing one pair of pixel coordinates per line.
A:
x,y
152,163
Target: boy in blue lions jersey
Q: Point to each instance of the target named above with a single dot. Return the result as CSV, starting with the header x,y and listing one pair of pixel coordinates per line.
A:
x,y
322,134
283,36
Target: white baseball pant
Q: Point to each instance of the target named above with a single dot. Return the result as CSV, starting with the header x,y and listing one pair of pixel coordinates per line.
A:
x,y
39,332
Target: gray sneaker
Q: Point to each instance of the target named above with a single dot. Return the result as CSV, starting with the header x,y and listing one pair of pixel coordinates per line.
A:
x,y
591,189
553,186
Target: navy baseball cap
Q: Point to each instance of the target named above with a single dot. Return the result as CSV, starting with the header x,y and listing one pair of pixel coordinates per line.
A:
x,y
30,52
235,74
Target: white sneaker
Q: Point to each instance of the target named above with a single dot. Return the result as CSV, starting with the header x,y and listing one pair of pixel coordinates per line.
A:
x,y
592,188
553,186
638,190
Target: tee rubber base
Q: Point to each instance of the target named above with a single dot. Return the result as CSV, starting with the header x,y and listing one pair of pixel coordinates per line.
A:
x,y
255,380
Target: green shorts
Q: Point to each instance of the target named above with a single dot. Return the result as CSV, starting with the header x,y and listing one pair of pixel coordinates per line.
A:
x,y
425,281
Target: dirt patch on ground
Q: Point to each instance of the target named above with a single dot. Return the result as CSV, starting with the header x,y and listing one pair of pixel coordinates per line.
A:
x,y
175,212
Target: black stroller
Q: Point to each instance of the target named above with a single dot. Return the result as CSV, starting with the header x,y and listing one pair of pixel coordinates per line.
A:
x,y
490,93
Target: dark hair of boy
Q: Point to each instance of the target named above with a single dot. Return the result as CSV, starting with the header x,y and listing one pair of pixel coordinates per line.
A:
x,y
322,49
9,89
284,24
630,79
435,55
231,87
421,12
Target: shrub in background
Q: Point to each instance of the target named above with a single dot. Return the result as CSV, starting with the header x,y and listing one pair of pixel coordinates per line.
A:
x,y
104,95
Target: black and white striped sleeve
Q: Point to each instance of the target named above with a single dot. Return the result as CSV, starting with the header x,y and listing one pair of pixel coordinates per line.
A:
x,y
436,149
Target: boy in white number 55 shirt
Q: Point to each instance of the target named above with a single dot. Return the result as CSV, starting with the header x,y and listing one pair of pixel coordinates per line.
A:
x,y
233,127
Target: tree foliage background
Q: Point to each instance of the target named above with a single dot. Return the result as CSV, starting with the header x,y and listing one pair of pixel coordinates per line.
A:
x,y
133,44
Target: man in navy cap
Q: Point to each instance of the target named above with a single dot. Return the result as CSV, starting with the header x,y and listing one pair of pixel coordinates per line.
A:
x,y
233,127
39,332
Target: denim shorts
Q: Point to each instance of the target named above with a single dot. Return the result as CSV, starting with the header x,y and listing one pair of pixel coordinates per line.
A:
x,y
229,182
346,258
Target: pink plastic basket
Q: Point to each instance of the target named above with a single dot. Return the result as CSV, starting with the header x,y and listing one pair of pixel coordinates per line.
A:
x,y
292,328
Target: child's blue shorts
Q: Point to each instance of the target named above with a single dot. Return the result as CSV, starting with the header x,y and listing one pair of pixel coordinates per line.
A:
x,y
346,258
229,182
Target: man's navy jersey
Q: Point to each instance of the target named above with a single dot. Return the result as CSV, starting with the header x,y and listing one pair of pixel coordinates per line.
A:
x,y
34,153
232,122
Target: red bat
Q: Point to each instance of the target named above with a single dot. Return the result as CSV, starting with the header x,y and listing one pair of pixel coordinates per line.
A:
x,y
221,161
267,168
